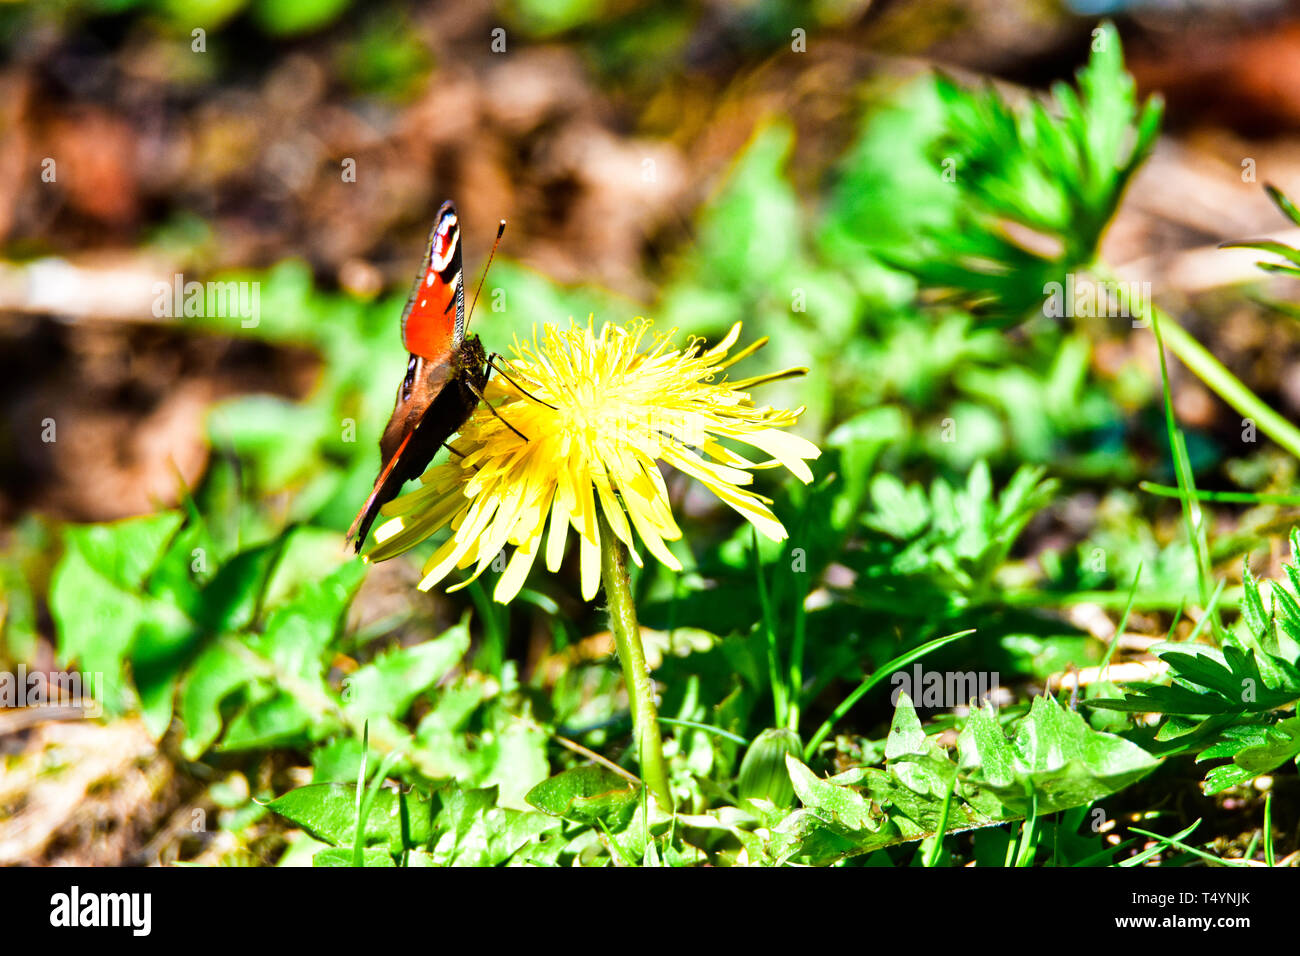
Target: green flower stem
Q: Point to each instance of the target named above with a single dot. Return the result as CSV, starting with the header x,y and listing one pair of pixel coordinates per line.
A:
x,y
640,687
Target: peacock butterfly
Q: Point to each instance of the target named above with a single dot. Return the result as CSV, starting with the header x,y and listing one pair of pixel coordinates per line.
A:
x,y
445,374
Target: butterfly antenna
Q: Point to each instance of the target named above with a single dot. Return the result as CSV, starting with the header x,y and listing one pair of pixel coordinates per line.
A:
x,y
501,228
502,372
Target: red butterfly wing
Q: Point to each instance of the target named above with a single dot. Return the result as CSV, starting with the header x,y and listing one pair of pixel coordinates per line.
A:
x,y
433,328
433,323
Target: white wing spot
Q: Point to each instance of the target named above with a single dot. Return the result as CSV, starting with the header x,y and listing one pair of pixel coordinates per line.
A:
x,y
423,303
432,275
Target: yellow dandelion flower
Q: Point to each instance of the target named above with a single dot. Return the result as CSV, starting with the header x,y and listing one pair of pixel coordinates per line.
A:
x,y
612,411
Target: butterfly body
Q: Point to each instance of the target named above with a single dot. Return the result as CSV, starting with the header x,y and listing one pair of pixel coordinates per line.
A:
x,y
446,372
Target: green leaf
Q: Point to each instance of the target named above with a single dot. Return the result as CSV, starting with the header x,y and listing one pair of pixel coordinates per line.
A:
x,y
298,633
921,765
277,720
388,685
762,771
218,672
1058,761
1283,203
1225,777
98,606
587,795
1282,744
337,856
464,826
164,643
231,599
1031,188
327,811
514,761
839,806
124,552
308,553
96,622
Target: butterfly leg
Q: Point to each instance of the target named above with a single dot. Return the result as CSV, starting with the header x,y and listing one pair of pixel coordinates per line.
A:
x,y
479,395
500,371
457,452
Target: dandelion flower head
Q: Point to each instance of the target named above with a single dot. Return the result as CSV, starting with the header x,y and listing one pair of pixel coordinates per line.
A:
x,y
602,410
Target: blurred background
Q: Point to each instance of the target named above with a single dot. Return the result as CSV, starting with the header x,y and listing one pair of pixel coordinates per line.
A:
x,y
698,163
598,130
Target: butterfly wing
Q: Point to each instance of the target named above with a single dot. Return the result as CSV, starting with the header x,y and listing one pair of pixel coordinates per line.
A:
x,y
433,328
409,444
366,516
433,323
399,451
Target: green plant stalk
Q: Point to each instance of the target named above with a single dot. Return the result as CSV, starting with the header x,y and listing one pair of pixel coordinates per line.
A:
x,y
1193,516
1028,836
1213,373
631,654
796,663
934,852
1111,600
707,728
1228,387
1228,497
1268,829
795,668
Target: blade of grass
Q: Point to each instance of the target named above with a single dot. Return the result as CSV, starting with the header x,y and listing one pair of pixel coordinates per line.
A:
x,y
795,669
1148,853
1123,623
1028,835
1268,829
1226,497
1176,841
796,664
492,654
769,626
1178,616
707,728
1209,612
404,821
1227,386
935,849
365,759
1192,515
1252,846
1212,372
368,801
871,681
1110,600
1102,855
594,757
